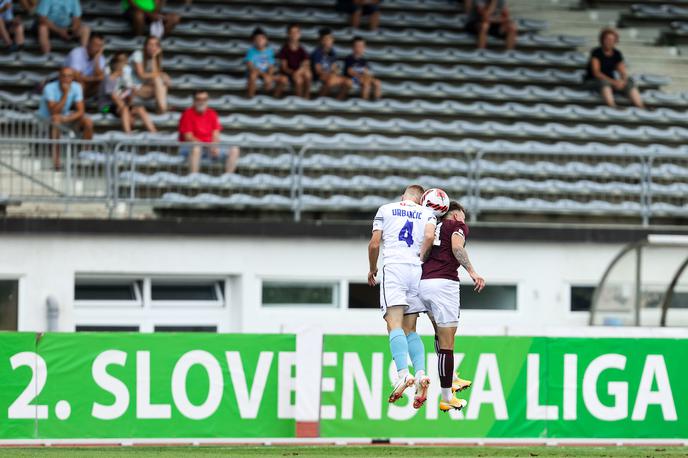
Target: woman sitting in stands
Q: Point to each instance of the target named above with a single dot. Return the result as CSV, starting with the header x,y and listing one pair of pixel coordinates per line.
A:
x,y
121,94
148,74
607,71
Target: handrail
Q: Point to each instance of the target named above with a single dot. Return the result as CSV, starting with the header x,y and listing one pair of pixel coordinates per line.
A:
x,y
6,104
474,191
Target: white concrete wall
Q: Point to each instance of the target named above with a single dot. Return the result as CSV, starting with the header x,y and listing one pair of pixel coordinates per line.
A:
x,y
47,265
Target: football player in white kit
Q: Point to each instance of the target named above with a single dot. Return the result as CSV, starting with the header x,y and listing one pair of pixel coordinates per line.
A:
x,y
403,229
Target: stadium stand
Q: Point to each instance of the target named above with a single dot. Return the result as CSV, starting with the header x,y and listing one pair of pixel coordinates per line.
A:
x,y
511,133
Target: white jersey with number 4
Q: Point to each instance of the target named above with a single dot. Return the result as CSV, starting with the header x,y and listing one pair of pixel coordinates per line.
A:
x,y
403,228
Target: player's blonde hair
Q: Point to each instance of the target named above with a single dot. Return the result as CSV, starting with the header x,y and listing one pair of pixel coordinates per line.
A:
x,y
414,192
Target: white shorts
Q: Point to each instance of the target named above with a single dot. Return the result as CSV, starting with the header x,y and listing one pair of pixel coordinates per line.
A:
x,y
399,286
441,298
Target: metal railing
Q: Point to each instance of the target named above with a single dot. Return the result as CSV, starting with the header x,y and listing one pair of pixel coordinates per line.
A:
x,y
18,122
138,173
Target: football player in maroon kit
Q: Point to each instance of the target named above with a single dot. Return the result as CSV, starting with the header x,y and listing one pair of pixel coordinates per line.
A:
x,y
439,291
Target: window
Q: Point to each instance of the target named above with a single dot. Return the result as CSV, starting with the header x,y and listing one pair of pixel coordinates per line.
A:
x,y
186,329
89,292
154,302
493,297
107,328
206,291
9,292
581,298
362,296
186,293
300,293
654,299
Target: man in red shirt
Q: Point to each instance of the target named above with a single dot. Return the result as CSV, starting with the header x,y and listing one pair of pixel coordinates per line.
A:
x,y
200,124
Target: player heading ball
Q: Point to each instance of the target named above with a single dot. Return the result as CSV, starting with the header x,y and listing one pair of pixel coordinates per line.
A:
x,y
403,229
439,293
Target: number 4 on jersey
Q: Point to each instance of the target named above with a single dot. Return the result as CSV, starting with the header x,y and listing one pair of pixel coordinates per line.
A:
x,y
406,233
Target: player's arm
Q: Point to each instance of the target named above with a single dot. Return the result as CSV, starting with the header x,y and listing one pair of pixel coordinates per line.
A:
x,y
428,241
461,255
373,254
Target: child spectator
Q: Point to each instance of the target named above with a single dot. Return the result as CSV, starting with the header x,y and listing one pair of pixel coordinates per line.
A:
x,y
295,63
260,64
356,68
142,13
153,83
200,124
358,8
62,103
63,18
11,23
607,73
325,68
490,17
88,64
119,88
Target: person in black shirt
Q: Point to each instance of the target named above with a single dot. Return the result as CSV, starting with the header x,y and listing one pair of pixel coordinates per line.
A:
x,y
356,68
607,73
325,67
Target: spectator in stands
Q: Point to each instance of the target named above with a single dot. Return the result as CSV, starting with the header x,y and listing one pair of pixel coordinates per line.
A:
x,y
358,8
142,13
120,93
325,68
357,70
62,18
153,83
490,17
62,103
201,124
88,64
607,73
260,64
295,64
11,23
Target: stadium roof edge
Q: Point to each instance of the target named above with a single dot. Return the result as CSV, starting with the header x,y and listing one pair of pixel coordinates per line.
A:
x,y
340,230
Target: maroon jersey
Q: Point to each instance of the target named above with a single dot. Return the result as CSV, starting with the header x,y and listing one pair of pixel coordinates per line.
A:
x,y
442,263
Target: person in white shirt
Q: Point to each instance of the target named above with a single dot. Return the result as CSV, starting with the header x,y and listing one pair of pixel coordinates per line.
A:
x,y
121,91
403,230
88,64
153,82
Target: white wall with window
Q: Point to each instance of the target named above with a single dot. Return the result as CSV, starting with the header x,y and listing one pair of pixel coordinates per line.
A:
x,y
242,284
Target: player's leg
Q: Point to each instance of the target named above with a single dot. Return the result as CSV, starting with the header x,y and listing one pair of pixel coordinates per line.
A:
x,y
399,348
443,296
393,304
415,344
458,384
417,354
445,367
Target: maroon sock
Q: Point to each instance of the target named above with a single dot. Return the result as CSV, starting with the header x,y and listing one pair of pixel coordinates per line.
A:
x,y
437,345
445,367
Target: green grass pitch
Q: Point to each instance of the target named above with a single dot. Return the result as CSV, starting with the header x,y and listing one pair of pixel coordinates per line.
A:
x,y
332,451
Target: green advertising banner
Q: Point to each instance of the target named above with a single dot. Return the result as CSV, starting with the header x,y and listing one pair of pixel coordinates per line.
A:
x,y
114,385
523,387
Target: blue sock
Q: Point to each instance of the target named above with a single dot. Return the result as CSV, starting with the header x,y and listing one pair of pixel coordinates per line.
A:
x,y
417,351
399,347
